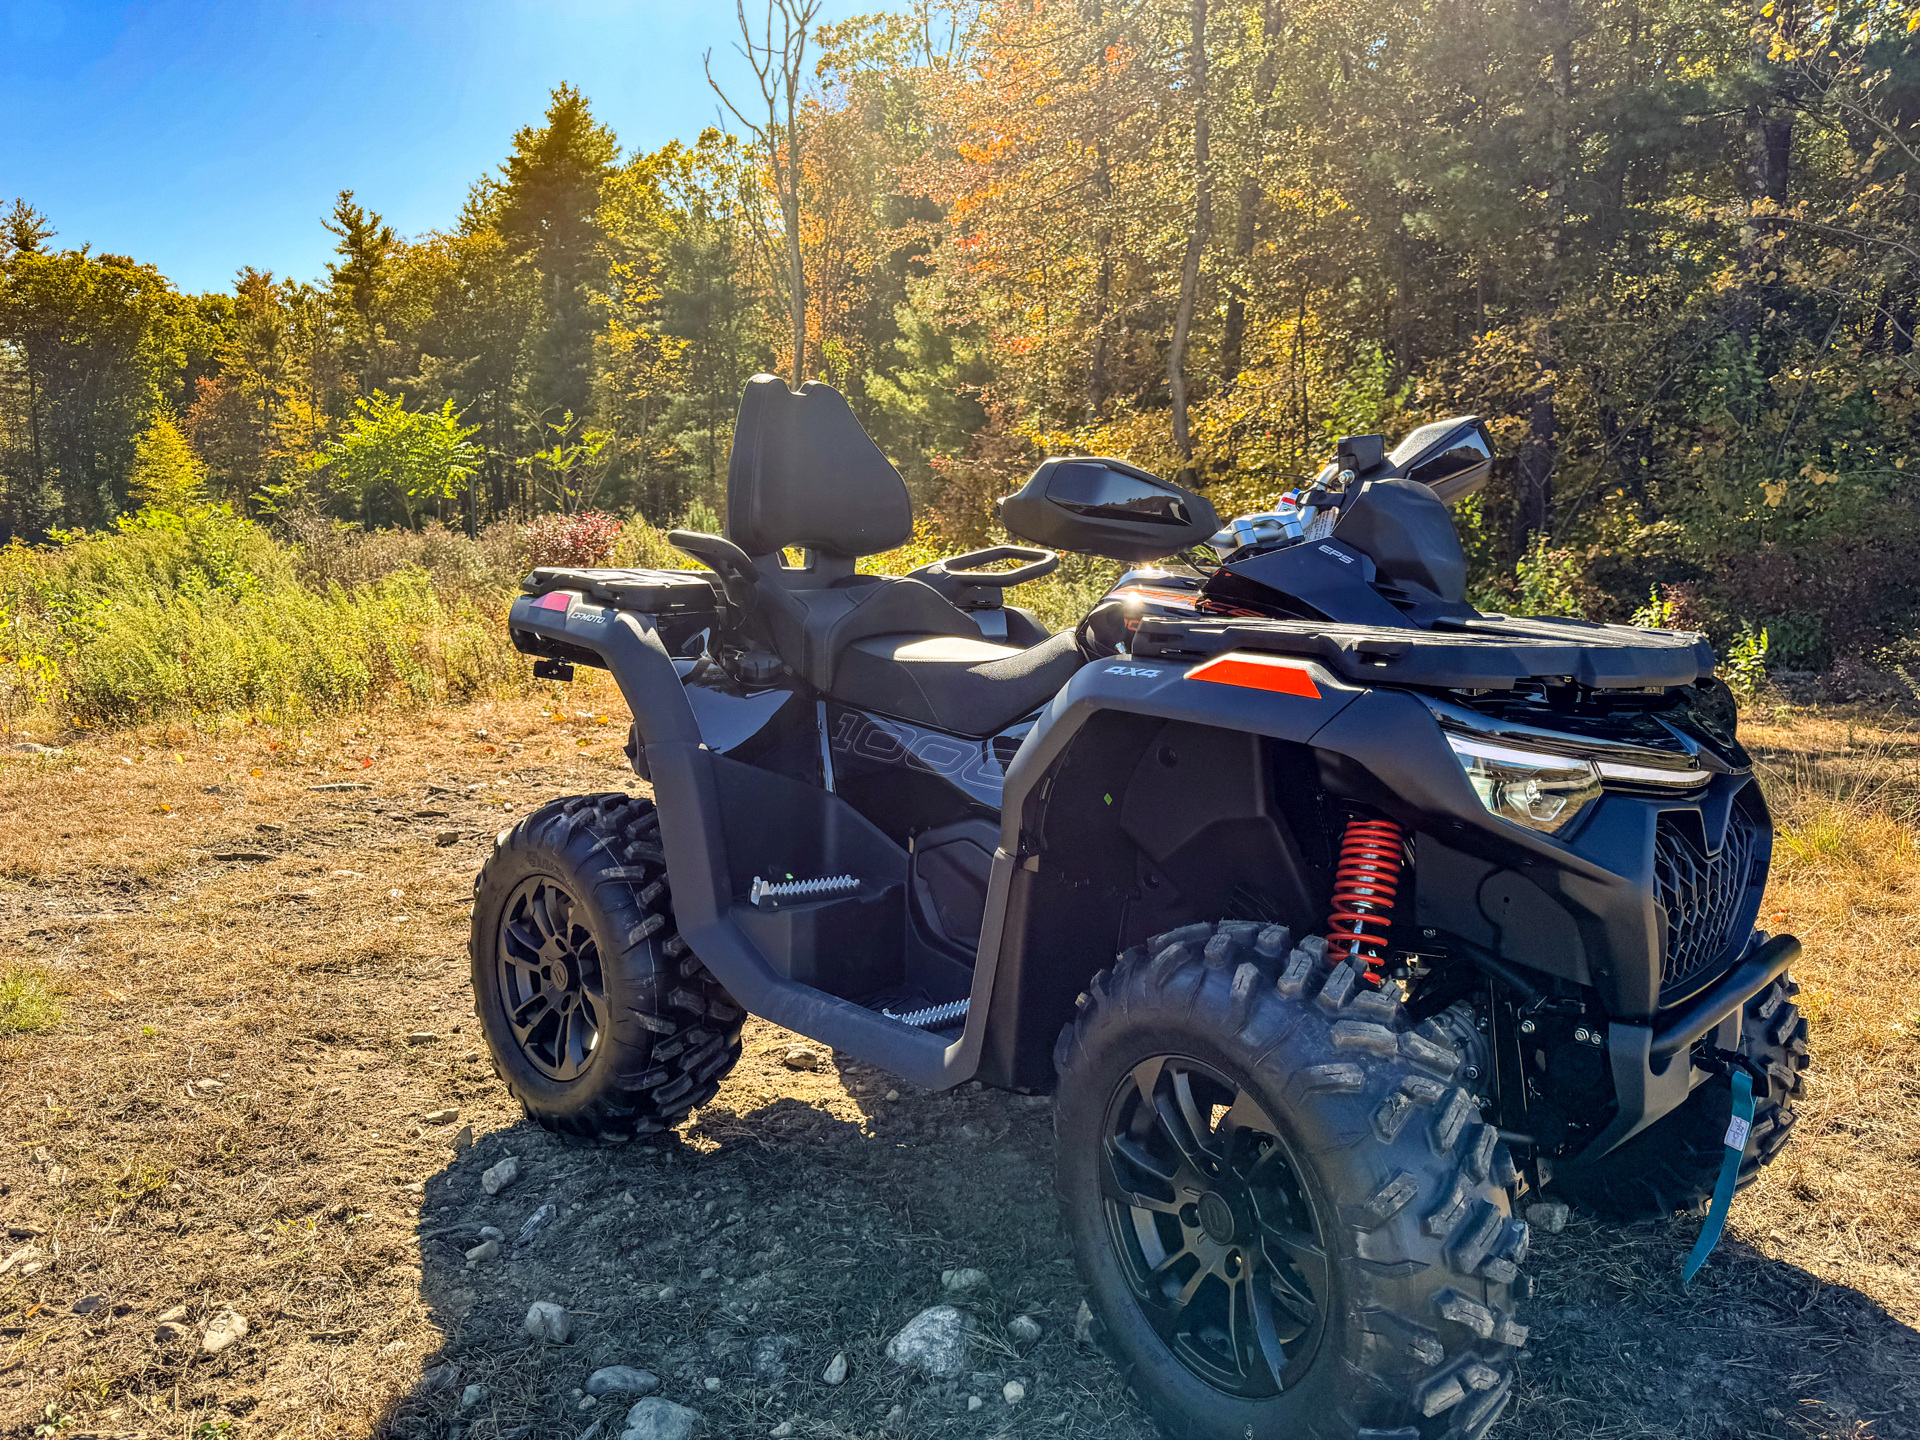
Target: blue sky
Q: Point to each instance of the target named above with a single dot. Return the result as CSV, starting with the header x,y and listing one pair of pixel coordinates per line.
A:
x,y
206,136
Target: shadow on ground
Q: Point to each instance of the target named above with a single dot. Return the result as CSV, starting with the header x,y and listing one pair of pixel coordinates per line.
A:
x,y
737,1260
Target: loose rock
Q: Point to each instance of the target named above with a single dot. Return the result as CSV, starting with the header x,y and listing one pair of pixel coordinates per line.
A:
x,y
1087,1326
836,1371
472,1396
658,1419
170,1333
172,1313
422,1038
1549,1216
500,1175
87,1305
801,1058
549,1322
485,1251
464,1142
441,1118
934,1342
963,1278
973,1403
446,838
492,1233
227,1328
770,1356
622,1381
1013,1393
534,1222
1024,1329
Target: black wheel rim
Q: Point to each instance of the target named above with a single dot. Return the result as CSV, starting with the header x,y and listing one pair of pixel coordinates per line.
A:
x,y
1216,1231
551,984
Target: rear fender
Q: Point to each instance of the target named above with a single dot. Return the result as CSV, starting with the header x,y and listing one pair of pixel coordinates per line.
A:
x,y
564,625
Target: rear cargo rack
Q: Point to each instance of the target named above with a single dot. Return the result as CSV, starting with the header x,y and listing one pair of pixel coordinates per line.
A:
x,y
1486,653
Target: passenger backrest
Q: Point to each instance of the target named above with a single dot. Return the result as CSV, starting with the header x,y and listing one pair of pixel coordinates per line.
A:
x,y
803,473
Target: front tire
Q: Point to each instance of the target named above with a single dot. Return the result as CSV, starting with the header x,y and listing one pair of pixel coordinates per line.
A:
x,y
601,1021
1285,1208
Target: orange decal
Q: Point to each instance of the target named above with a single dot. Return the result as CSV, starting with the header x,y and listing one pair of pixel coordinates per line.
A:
x,y
1258,672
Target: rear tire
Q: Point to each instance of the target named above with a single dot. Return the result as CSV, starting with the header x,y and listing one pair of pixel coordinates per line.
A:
x,y
1673,1165
601,1021
1358,1184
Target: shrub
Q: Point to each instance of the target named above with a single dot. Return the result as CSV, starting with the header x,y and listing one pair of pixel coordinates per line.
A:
x,y
26,1001
586,539
1746,668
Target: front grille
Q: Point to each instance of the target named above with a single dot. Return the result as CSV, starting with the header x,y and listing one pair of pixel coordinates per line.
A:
x,y
1702,895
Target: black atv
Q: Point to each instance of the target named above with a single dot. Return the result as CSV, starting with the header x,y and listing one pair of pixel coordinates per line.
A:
x,y
1337,915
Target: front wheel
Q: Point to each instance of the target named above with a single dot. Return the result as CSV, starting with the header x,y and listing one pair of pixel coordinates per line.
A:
x,y
601,1021
1287,1212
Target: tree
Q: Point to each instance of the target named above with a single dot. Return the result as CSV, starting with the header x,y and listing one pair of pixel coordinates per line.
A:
x,y
410,456
96,345
167,475
777,70
549,212
359,284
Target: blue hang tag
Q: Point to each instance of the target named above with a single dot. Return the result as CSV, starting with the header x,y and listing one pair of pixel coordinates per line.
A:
x,y
1740,1121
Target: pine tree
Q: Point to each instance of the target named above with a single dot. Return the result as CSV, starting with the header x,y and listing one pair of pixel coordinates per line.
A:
x,y
549,208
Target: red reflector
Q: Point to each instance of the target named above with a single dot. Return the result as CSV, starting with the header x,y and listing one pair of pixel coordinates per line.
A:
x,y
554,600
1257,672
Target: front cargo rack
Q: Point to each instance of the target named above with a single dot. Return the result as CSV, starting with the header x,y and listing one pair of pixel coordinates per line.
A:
x,y
1494,653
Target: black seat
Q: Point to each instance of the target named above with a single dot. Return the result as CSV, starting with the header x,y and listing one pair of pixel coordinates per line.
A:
x,y
804,476
953,683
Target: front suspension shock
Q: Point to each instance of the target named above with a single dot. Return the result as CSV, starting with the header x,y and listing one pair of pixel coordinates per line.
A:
x,y
1366,879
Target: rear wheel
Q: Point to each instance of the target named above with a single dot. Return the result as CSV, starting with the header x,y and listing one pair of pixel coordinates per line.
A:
x,y
1673,1164
1286,1211
601,1021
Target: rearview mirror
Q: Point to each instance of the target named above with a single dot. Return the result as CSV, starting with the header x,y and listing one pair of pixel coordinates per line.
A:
x,y
1106,507
1453,458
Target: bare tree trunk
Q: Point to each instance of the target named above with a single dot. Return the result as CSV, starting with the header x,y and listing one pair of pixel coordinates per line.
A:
x,y
1534,466
1103,282
1203,224
778,68
1764,167
1247,208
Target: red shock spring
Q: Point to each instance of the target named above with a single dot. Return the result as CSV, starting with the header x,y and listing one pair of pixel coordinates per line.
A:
x,y
1366,877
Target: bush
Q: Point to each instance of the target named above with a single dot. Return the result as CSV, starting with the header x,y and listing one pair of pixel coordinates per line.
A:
x,y
26,1001
202,613
586,539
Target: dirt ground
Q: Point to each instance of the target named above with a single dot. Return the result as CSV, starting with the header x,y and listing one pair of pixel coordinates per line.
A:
x,y
259,942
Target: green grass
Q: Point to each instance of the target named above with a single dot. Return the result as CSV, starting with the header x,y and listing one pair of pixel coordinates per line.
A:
x,y
27,1004
200,614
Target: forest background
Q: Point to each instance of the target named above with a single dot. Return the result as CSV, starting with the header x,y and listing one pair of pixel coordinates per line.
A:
x,y
1666,248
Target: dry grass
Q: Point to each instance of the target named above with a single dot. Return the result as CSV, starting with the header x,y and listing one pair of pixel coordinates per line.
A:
x,y
1843,792
230,1113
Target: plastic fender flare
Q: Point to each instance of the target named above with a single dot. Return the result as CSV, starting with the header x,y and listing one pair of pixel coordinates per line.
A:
x,y
1170,690
634,655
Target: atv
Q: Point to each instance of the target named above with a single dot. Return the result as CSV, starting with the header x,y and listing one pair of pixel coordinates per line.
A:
x,y
1339,917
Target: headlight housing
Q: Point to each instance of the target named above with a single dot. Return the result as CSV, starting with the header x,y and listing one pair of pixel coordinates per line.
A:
x,y
1536,789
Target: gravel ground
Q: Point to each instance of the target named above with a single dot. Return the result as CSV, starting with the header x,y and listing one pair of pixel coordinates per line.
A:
x,y
245,1110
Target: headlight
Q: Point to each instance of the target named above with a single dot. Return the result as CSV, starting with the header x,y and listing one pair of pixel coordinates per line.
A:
x,y
1536,789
